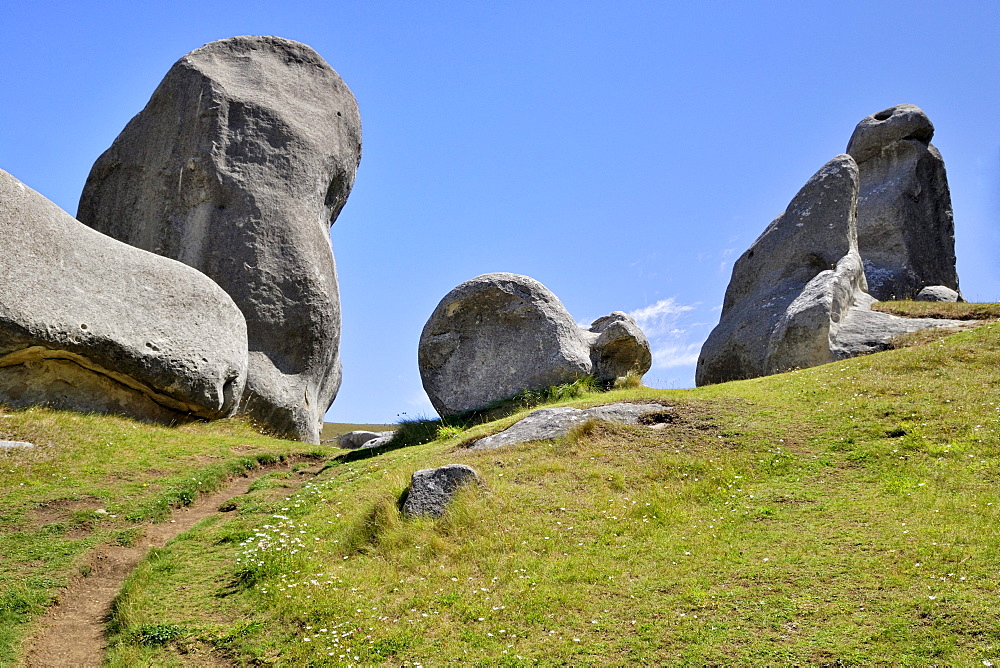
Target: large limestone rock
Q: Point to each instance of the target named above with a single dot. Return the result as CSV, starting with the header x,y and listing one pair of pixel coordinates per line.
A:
x,y
794,283
495,336
906,232
240,162
499,334
798,296
91,324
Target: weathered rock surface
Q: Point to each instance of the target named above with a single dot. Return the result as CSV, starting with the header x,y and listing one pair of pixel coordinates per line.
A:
x,y
91,324
551,423
798,296
362,439
499,334
864,331
495,336
792,286
938,293
431,490
238,165
906,231
619,349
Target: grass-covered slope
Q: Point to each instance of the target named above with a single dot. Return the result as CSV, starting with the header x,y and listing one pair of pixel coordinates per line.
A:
x,y
96,480
846,513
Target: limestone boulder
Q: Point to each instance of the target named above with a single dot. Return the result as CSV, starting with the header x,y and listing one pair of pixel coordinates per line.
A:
x,y
238,165
550,423
938,293
906,230
91,324
500,334
495,336
431,490
619,348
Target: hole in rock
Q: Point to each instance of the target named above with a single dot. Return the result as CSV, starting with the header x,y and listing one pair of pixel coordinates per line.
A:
x,y
884,115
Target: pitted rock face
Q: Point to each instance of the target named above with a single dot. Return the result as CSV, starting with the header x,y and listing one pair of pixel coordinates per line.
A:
x,y
493,337
238,165
906,231
91,324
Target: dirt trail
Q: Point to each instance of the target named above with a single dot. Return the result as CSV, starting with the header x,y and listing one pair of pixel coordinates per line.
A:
x,y
71,633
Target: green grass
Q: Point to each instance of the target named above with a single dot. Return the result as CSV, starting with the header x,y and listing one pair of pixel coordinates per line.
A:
x,y
845,514
947,310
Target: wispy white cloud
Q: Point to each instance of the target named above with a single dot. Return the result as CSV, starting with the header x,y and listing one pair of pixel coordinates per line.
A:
x,y
661,318
674,333
673,356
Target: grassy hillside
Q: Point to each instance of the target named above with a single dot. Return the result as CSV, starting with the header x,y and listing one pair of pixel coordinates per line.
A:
x,y
846,513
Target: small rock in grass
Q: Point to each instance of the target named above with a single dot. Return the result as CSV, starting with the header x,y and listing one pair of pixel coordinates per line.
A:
x,y
938,293
360,439
16,445
431,490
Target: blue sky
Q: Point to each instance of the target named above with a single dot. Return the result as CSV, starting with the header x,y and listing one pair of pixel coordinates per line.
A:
x,y
622,153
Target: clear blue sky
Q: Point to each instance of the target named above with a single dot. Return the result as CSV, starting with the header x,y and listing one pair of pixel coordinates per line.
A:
x,y
622,153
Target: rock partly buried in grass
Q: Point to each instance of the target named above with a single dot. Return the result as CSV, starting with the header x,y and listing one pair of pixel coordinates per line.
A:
x,y
362,439
240,162
938,293
906,231
550,423
16,445
500,334
91,324
431,490
798,296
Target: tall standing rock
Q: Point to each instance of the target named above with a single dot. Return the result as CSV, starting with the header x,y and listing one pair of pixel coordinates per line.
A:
x,y
91,324
798,295
238,165
906,231
794,280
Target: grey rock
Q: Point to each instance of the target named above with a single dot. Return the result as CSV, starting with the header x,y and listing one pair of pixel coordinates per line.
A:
x,y
431,490
793,283
619,349
864,331
906,230
551,423
938,293
91,324
495,336
16,445
356,439
383,439
238,165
